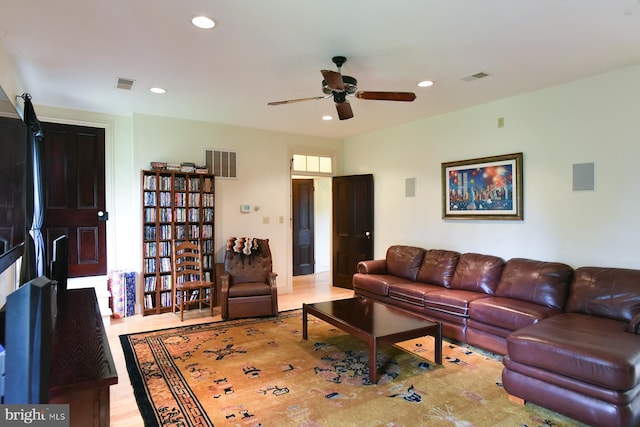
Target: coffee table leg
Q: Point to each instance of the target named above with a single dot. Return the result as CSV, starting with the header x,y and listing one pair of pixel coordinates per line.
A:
x,y
304,321
438,344
373,370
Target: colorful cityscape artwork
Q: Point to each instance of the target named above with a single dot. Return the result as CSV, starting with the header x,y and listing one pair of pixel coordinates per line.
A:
x,y
485,188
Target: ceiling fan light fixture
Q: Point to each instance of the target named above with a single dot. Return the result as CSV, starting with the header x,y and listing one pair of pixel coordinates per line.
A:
x,y
203,22
425,83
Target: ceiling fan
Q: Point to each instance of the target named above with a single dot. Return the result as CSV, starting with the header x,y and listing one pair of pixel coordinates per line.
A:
x,y
339,86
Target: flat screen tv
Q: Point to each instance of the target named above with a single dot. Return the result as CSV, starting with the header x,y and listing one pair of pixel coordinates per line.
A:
x,y
28,342
13,159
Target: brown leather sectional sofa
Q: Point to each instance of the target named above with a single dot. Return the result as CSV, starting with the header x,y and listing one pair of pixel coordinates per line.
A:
x,y
569,337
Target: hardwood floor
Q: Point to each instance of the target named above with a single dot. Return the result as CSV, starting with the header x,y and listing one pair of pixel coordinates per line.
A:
x,y
124,409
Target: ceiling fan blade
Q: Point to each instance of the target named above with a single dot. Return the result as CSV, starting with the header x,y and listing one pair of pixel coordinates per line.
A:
x,y
344,110
291,101
387,96
333,79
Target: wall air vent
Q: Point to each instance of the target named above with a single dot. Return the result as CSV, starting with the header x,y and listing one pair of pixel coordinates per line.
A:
x,y
221,163
123,83
476,76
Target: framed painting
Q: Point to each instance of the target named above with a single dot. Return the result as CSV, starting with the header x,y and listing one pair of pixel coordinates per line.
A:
x,y
484,188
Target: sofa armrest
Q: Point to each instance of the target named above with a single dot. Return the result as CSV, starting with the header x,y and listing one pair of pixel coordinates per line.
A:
x,y
634,325
376,266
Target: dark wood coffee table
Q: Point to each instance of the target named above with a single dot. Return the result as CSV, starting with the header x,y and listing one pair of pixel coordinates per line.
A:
x,y
374,323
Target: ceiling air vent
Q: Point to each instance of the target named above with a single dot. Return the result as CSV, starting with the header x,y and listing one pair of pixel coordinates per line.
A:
x,y
476,76
126,84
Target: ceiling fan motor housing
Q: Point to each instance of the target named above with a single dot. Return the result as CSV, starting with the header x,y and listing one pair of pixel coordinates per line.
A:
x,y
350,86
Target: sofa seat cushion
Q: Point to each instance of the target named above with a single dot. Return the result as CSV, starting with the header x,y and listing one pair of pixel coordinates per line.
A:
x,y
249,289
592,349
376,283
451,301
411,292
507,313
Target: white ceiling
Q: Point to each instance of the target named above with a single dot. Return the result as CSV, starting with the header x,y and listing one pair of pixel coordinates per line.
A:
x,y
69,53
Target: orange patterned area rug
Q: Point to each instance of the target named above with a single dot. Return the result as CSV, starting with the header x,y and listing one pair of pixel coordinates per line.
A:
x,y
260,372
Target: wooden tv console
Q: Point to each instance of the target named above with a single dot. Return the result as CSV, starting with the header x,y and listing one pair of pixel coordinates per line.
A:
x,y
82,367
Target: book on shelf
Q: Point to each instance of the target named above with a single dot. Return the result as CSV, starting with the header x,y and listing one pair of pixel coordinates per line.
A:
x,y
148,301
165,183
150,284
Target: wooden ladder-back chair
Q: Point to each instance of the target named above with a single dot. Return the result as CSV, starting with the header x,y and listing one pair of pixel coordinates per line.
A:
x,y
248,284
189,284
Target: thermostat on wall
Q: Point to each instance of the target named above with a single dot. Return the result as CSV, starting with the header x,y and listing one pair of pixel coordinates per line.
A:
x,y
245,208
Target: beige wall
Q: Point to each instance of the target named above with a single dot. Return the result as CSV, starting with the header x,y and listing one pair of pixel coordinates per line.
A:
x,y
9,80
591,120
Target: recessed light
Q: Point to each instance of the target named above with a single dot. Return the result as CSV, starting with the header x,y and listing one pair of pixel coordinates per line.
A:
x,y
203,22
158,90
327,118
425,83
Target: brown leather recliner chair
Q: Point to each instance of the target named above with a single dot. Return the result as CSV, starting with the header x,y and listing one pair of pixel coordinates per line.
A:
x,y
248,284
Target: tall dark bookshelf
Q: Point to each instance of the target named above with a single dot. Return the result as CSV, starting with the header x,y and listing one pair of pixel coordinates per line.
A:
x,y
176,206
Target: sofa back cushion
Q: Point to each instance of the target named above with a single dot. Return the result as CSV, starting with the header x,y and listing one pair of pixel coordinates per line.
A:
x,y
404,261
438,267
477,272
606,292
539,282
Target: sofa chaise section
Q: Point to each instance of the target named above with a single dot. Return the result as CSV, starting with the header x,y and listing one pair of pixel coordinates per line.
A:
x,y
585,362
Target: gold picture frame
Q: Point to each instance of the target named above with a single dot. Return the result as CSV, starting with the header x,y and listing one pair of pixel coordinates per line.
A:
x,y
486,188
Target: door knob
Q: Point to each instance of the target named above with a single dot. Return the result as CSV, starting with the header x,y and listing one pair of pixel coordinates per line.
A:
x,y
368,234
103,216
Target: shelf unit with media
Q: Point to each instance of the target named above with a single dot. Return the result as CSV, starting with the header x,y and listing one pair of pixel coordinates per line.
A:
x,y
176,206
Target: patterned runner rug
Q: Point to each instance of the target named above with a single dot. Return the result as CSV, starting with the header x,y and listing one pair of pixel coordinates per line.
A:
x,y
260,372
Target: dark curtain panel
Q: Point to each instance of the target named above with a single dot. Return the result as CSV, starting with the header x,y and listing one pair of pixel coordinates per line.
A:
x,y
33,259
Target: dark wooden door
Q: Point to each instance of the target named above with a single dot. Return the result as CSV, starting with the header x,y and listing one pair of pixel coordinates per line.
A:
x,y
13,147
303,227
74,187
352,226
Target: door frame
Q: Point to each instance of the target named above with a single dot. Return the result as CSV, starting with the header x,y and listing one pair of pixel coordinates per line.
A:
x,y
109,178
334,159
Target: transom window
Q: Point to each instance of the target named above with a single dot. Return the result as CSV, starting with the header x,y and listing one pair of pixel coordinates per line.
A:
x,y
303,163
